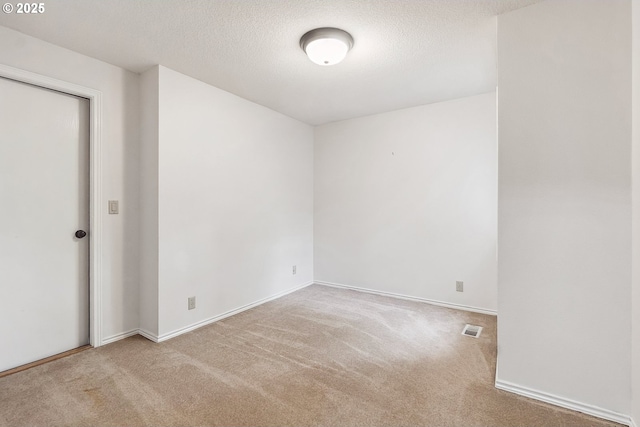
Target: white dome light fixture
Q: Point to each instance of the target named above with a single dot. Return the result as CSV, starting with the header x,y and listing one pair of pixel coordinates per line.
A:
x,y
326,46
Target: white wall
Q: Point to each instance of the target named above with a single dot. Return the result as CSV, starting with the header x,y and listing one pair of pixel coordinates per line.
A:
x,y
235,202
564,219
119,163
405,202
149,128
635,404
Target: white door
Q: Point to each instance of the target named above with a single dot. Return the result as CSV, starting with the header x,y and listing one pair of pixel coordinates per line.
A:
x,y
44,200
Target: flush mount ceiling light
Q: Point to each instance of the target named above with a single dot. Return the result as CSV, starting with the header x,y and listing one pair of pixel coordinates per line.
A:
x,y
326,46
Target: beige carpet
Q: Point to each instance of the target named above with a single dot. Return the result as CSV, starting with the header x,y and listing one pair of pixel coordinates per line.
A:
x,y
317,357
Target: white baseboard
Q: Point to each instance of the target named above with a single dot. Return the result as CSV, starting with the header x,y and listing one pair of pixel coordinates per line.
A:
x,y
410,298
153,337
148,335
213,319
565,403
120,336
632,422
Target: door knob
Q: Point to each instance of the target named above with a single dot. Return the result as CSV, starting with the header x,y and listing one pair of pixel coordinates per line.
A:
x,y
80,234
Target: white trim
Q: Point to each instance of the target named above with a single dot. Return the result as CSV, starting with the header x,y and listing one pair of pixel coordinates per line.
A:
x,y
213,319
120,336
148,335
410,298
95,198
632,422
565,403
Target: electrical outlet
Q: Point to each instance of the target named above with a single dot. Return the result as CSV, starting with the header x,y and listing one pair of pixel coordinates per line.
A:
x,y
192,303
459,286
294,270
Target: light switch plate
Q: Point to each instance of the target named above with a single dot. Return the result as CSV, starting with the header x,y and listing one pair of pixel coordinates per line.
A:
x,y
113,207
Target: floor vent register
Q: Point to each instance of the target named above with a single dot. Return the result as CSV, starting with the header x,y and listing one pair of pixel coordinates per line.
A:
x,y
472,331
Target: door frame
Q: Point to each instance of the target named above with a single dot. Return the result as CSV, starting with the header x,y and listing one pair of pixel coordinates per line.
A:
x,y
95,184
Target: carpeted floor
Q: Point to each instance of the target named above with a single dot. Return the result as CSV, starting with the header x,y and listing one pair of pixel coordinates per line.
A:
x,y
318,357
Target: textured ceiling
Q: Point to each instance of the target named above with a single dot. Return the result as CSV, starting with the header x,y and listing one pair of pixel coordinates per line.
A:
x,y
406,52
